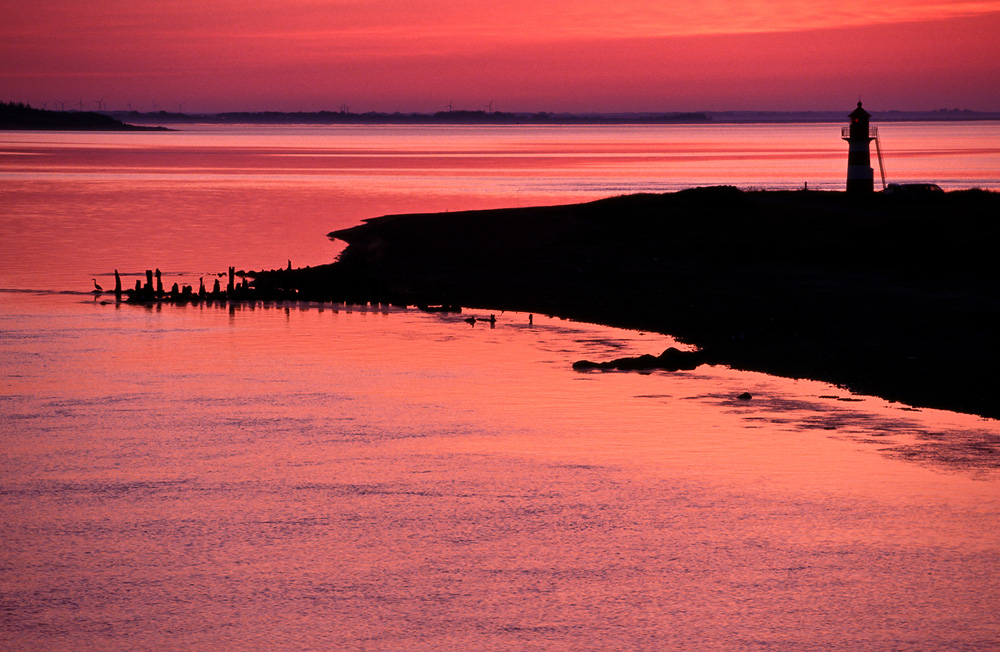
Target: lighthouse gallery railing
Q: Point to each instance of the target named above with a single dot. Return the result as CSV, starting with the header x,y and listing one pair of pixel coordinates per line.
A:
x,y
845,132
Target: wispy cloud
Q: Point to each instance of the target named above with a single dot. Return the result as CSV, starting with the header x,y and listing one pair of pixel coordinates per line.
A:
x,y
526,48
462,21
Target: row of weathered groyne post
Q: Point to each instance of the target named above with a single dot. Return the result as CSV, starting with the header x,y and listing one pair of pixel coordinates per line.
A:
x,y
152,290
314,284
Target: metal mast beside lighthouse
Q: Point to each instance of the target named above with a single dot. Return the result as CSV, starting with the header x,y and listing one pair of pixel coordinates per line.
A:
x,y
859,135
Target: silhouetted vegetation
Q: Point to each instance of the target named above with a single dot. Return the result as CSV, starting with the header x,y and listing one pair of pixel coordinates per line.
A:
x,y
25,117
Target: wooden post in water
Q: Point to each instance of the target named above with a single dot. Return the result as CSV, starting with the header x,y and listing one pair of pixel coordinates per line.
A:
x,y
149,282
159,284
118,286
232,280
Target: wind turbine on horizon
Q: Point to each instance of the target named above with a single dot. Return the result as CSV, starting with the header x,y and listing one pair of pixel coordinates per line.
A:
x,y
450,106
100,104
345,108
62,105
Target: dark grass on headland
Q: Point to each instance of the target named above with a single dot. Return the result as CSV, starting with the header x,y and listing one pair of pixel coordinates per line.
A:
x,y
892,296
22,117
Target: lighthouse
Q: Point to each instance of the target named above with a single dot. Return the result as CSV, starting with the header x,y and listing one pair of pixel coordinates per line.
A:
x,y
860,176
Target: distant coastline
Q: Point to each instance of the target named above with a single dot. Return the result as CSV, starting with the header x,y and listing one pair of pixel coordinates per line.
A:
x,y
441,117
16,116
458,117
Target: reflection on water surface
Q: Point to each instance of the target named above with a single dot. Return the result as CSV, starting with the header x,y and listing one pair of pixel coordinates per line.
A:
x,y
318,476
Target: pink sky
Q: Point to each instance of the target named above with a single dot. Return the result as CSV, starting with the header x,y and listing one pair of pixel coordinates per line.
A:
x,y
521,55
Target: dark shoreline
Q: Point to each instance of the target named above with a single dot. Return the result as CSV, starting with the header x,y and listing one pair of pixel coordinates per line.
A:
x,y
896,297
21,117
493,118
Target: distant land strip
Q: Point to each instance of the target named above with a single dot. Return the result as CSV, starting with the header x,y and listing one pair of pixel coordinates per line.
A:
x,y
16,116
541,117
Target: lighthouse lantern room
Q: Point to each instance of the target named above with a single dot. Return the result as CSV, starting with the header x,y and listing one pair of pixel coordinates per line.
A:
x,y
860,175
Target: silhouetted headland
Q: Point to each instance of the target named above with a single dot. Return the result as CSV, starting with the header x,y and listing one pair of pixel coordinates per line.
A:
x,y
893,295
16,116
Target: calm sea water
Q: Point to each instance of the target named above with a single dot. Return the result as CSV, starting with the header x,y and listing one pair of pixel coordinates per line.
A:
x,y
77,206
304,476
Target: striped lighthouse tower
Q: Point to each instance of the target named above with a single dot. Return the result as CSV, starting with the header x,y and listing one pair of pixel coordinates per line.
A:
x,y
860,176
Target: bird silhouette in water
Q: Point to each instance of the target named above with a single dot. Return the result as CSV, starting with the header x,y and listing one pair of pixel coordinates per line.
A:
x,y
97,288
